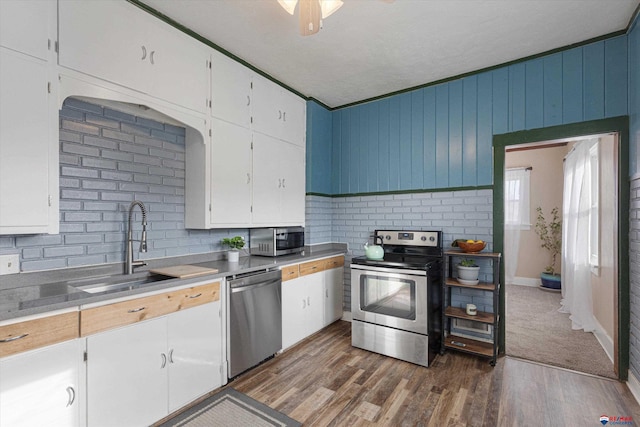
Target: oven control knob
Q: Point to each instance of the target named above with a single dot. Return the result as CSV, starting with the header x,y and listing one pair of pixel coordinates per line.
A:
x,y
388,237
423,238
433,239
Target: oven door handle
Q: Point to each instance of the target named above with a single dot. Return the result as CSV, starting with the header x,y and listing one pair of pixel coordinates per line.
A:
x,y
392,270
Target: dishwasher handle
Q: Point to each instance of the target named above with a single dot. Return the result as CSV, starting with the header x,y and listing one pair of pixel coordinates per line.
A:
x,y
251,287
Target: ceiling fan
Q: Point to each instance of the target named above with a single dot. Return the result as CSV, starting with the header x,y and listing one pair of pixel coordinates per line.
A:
x,y
312,12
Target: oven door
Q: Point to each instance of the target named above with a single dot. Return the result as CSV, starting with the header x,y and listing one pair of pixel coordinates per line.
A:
x,y
390,297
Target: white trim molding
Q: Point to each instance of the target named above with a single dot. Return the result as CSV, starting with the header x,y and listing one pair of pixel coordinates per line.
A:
x,y
603,338
526,281
634,386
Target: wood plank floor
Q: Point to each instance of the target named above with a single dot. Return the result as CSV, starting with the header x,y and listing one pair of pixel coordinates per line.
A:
x,y
323,381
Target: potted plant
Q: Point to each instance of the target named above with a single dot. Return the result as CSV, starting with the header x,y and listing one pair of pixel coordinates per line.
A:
x,y
550,234
468,272
235,244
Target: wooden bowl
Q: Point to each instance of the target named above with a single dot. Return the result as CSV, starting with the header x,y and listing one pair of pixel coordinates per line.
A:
x,y
471,248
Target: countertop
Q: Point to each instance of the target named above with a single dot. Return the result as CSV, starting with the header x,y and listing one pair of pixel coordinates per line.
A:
x,y
28,294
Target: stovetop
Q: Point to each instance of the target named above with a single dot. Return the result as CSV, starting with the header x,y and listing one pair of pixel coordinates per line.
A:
x,y
413,250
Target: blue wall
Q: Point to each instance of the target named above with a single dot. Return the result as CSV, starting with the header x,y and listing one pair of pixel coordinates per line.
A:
x,y
441,136
634,96
318,170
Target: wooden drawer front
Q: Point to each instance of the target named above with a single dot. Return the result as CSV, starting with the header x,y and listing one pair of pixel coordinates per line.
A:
x,y
31,334
111,316
198,295
290,272
335,262
311,267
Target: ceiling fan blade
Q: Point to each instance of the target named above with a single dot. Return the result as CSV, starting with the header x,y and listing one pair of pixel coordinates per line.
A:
x,y
310,16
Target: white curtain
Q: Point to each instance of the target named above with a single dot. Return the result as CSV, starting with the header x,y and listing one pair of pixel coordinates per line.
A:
x,y
516,216
576,272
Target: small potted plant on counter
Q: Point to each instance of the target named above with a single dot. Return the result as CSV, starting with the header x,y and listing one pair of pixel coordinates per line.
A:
x,y
550,234
468,272
235,244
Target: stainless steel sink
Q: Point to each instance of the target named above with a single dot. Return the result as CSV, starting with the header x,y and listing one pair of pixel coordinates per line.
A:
x,y
118,283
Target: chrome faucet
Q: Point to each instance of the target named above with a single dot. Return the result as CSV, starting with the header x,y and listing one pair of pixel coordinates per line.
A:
x,y
130,263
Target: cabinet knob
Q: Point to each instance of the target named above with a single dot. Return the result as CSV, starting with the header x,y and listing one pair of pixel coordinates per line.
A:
x,y
164,360
144,53
284,116
248,100
151,56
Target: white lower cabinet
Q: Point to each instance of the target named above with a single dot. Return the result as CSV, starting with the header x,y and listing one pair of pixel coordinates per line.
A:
x,y
333,290
140,373
302,308
42,387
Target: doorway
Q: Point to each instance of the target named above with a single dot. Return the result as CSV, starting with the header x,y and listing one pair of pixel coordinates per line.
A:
x,y
578,334
617,126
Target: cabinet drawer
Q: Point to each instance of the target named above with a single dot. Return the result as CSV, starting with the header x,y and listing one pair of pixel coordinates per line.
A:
x,y
334,262
31,334
311,267
198,295
111,316
290,272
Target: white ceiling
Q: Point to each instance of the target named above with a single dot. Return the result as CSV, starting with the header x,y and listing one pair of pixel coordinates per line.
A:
x,y
370,47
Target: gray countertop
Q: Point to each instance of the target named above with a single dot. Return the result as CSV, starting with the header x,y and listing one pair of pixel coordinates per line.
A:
x,y
27,294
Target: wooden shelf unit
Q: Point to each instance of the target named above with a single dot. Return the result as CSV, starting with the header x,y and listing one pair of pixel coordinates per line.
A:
x,y
467,344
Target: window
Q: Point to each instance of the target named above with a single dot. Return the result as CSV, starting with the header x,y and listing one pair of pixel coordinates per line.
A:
x,y
594,221
516,198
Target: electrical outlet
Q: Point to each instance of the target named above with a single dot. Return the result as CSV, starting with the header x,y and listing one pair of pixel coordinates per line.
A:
x,y
9,264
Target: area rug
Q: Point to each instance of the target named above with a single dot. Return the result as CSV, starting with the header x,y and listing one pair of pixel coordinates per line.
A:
x,y
230,408
536,331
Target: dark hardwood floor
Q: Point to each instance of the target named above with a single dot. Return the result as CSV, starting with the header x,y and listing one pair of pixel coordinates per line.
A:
x,y
323,381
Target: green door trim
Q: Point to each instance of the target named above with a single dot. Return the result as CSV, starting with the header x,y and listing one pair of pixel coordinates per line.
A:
x,y
618,125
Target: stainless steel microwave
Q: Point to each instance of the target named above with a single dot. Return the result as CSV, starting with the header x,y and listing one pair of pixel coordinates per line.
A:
x,y
276,241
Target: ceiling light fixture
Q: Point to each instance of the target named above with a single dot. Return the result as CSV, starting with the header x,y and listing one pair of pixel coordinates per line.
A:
x,y
311,13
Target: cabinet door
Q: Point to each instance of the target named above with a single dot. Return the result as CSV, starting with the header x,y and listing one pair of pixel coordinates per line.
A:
x,y
292,199
127,381
106,39
177,66
42,387
294,118
28,26
314,315
294,303
333,289
25,157
266,111
195,353
230,174
230,90
267,180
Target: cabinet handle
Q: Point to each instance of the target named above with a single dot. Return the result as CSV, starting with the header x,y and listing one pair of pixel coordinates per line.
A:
x,y
171,356
282,182
248,177
284,116
308,302
326,293
279,183
164,360
135,310
72,396
304,303
17,337
279,114
196,295
248,100
151,57
144,53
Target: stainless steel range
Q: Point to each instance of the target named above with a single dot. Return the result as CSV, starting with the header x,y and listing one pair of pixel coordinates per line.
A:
x,y
396,301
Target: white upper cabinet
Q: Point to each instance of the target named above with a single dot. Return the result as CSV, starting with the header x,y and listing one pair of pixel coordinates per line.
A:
x,y
118,42
278,112
230,90
278,187
231,174
28,26
28,119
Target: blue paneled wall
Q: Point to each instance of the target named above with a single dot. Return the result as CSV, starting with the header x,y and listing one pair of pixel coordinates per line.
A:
x,y
318,170
441,136
634,96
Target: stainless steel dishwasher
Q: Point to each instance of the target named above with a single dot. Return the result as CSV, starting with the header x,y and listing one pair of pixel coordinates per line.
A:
x,y
255,319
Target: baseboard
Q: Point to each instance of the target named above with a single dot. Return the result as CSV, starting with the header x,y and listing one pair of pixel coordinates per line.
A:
x,y
346,315
604,339
526,281
634,385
